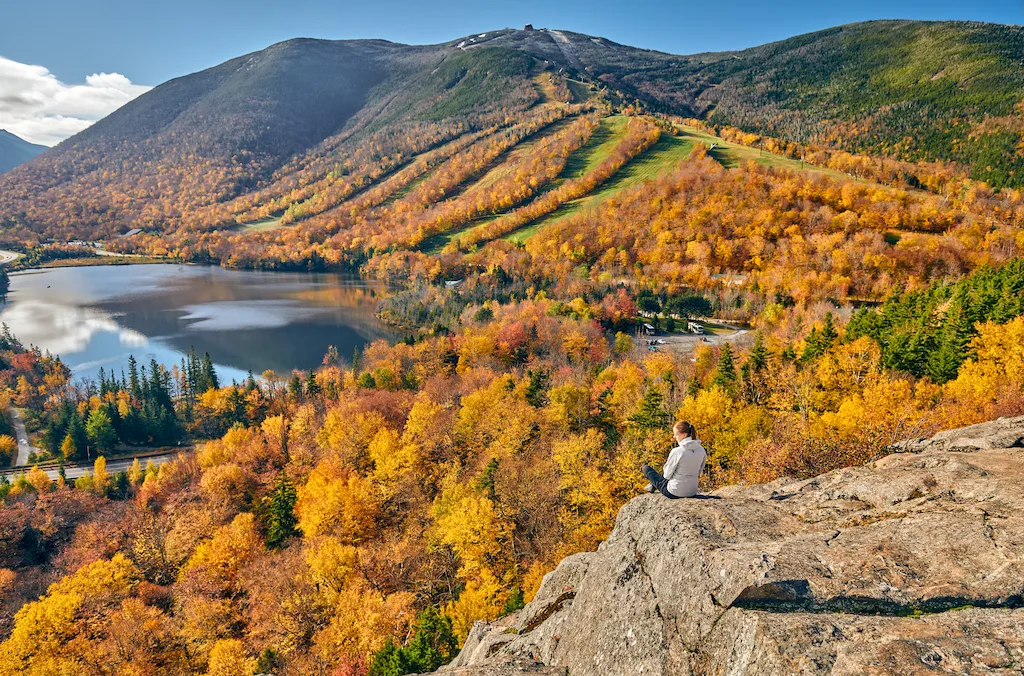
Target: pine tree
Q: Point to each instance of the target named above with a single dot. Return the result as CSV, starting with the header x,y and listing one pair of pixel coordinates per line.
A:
x,y
312,386
943,362
79,437
725,372
295,386
134,388
651,414
485,483
758,358
434,642
280,514
390,661
812,346
536,389
209,373
829,334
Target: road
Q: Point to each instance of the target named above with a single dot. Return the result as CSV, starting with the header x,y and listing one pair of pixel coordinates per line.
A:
x,y
77,470
8,256
24,447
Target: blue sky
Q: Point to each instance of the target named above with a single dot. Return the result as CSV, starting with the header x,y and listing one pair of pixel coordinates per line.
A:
x,y
70,62
154,40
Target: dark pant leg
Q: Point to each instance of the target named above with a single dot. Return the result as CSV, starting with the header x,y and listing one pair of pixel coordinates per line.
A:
x,y
659,482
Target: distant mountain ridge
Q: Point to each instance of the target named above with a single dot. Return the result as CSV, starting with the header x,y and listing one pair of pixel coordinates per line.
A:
x,y
907,89
15,150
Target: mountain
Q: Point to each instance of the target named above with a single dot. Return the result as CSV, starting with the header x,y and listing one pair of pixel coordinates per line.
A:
x,y
15,150
828,575
237,141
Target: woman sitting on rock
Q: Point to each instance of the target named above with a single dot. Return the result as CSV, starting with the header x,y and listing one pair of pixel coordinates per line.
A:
x,y
683,467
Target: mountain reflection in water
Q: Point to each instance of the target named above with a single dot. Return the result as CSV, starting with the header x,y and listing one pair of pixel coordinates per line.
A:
x,y
246,320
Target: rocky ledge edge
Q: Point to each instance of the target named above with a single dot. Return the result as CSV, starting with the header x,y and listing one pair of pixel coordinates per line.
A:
x,y
910,564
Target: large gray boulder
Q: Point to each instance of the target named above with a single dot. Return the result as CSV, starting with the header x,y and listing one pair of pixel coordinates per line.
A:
x,y
912,564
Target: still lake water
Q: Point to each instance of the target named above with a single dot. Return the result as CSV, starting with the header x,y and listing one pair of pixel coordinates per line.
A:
x,y
97,316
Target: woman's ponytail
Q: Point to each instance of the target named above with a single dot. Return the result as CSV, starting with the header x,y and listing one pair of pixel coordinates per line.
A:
x,y
685,428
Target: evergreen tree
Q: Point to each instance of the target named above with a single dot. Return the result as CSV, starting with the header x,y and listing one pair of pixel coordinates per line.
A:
x,y
433,644
944,360
79,437
485,483
725,372
280,513
390,661
812,346
133,378
829,334
209,373
295,386
268,662
312,386
651,414
536,389
604,418
100,431
758,358
120,486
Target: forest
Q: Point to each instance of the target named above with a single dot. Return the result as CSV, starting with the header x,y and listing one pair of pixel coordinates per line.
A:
x,y
528,217
358,518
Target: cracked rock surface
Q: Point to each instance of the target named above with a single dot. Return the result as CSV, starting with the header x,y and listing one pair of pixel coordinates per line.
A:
x,y
913,564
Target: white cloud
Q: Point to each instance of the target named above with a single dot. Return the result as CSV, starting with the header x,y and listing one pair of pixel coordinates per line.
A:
x,y
38,107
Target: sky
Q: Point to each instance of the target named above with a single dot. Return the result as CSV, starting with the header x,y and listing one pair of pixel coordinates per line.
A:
x,y
66,63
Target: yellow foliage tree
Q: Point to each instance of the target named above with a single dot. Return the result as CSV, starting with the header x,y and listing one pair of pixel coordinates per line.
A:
x,y
51,635
226,484
100,477
472,527
39,480
483,598
363,620
219,559
135,473
228,658
391,459
8,447
997,367
68,448
589,507
336,502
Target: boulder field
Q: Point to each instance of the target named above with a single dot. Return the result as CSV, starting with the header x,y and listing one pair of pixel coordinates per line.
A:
x,y
912,564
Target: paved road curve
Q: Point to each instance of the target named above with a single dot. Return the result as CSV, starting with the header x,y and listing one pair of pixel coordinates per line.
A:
x,y
24,447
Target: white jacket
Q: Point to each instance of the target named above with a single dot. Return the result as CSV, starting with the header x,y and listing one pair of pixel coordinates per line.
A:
x,y
683,467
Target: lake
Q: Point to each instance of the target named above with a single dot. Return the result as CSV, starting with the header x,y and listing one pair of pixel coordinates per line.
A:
x,y
247,320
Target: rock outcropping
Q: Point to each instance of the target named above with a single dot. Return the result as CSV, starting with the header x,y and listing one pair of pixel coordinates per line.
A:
x,y
912,564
